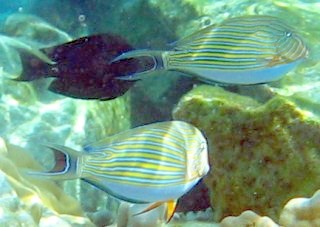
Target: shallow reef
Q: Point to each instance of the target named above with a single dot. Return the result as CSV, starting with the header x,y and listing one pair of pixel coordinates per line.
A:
x,y
31,116
261,154
26,201
264,145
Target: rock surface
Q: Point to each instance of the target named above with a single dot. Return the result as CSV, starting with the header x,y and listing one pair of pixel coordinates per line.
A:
x,y
261,155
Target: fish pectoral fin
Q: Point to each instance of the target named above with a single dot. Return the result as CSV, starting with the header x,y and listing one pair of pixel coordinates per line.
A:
x,y
170,208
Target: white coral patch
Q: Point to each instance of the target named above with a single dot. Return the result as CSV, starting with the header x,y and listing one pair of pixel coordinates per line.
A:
x,y
302,212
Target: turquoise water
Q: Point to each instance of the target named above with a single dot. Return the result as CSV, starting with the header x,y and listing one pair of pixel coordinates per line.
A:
x,y
31,115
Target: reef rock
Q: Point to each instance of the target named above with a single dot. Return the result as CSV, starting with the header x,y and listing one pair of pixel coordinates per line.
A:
x,y
261,155
300,212
26,201
248,218
127,218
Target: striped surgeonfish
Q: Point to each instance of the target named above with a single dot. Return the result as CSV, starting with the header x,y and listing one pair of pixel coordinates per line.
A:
x,y
155,163
241,50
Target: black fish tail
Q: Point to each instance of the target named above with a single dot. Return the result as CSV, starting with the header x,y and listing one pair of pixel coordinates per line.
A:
x,y
33,67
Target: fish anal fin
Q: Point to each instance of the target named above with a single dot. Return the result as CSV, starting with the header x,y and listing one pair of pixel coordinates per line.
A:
x,y
169,210
151,207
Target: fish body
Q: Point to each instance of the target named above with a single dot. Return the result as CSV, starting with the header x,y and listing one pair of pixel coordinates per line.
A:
x,y
154,163
81,67
242,50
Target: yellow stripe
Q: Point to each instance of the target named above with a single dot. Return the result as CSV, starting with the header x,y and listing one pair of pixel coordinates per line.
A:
x,y
231,47
145,146
222,55
146,185
150,166
162,140
213,63
140,175
232,41
133,155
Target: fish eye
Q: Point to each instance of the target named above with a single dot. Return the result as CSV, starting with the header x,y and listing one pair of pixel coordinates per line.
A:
x,y
288,34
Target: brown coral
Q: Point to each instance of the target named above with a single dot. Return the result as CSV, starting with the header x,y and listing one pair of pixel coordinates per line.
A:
x,y
261,155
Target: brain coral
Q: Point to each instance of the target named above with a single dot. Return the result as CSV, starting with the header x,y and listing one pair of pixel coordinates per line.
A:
x,y
261,155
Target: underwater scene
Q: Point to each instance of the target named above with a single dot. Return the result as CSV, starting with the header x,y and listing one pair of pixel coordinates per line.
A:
x,y
135,113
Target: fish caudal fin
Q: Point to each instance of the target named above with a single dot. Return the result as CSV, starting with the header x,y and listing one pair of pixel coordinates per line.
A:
x,y
155,55
32,67
170,209
66,164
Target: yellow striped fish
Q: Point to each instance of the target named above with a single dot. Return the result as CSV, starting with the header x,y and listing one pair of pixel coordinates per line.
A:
x,y
155,163
241,50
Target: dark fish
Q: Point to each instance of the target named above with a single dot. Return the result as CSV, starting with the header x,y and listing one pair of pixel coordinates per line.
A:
x,y
197,199
82,67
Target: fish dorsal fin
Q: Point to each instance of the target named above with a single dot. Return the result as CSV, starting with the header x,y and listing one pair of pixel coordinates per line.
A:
x,y
184,43
106,142
113,139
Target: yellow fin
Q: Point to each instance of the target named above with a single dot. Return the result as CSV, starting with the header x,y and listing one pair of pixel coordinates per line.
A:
x,y
170,208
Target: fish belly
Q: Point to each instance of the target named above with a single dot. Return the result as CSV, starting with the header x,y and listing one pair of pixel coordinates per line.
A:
x,y
147,194
244,77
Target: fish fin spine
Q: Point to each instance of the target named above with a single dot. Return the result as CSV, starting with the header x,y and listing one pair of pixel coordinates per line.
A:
x,y
171,208
151,207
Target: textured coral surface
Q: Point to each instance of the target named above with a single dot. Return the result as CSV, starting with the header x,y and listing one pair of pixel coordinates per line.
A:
x,y
261,155
247,218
